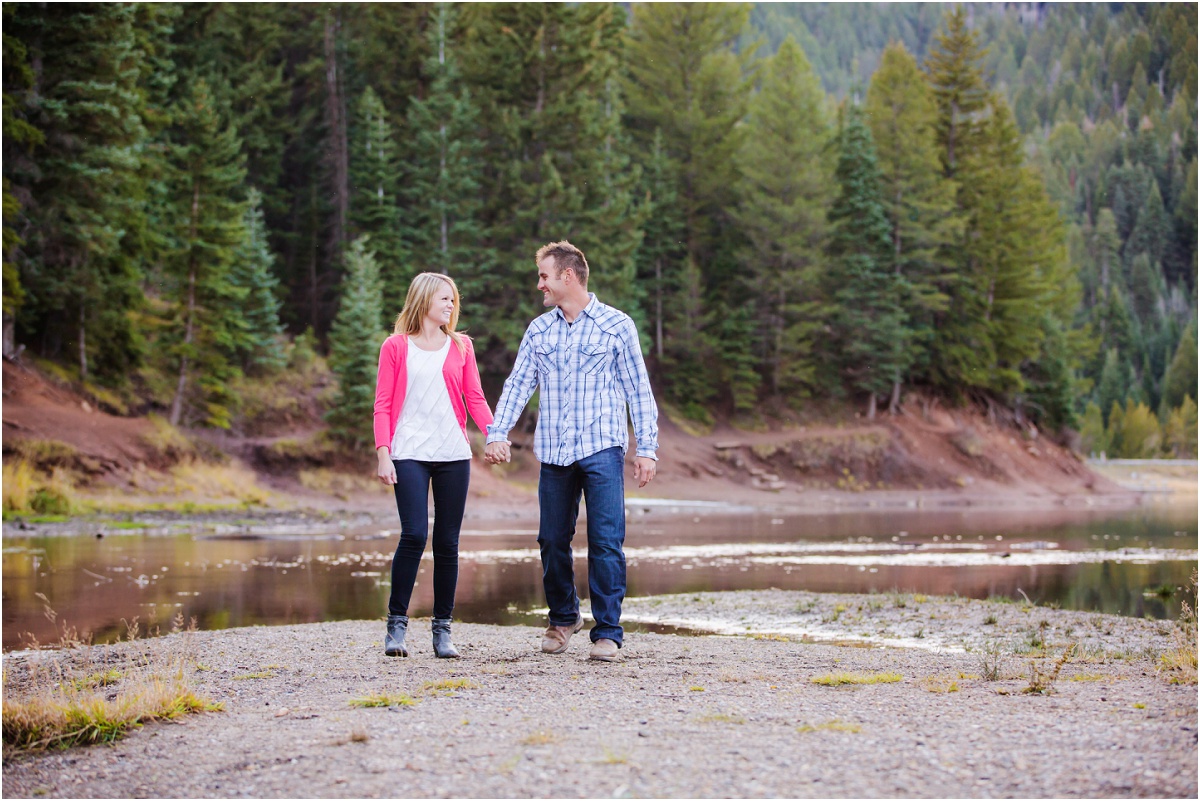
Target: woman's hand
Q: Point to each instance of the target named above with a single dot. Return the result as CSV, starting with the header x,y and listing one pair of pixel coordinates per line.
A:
x,y
386,470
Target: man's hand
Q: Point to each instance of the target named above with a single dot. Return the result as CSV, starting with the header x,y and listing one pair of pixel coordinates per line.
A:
x,y
386,470
497,452
644,469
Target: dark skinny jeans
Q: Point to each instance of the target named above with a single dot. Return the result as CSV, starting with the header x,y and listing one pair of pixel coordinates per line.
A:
x,y
450,481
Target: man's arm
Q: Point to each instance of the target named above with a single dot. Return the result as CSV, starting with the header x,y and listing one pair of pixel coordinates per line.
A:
x,y
635,381
518,387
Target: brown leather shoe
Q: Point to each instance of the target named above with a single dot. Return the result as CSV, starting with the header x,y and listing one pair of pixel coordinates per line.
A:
x,y
604,649
555,640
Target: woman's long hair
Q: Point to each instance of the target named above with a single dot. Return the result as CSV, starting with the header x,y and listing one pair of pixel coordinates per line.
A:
x,y
420,298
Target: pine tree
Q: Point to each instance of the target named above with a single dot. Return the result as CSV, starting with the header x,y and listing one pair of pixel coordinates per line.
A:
x,y
1105,249
374,188
1049,379
689,354
962,353
258,343
955,75
79,266
1179,380
1093,439
20,138
919,201
1179,434
786,187
1140,434
1115,379
442,182
353,346
207,179
684,79
553,158
1152,231
869,338
662,251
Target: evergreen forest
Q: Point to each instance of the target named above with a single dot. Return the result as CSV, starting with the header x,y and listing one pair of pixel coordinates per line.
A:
x,y
802,206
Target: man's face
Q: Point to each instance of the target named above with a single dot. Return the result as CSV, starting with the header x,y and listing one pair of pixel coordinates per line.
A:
x,y
550,283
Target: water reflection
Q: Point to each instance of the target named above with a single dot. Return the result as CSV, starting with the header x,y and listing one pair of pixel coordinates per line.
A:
x,y
1076,559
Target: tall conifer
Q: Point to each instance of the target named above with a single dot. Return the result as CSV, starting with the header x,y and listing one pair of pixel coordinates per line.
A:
x,y
258,344
918,199
80,269
442,223
354,341
869,339
374,191
207,179
786,186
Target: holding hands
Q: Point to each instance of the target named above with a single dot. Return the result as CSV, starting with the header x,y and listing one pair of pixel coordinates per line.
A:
x,y
497,453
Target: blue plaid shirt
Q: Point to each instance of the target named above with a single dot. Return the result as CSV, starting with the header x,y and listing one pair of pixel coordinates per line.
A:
x,y
587,371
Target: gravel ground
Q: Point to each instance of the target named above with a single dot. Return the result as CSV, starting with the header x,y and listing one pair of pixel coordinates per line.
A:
x,y
677,716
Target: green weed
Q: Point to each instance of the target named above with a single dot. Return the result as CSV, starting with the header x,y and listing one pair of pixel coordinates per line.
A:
x,y
837,679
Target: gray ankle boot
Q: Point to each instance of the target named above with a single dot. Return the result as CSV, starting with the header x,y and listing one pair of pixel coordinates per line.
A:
x,y
397,630
442,646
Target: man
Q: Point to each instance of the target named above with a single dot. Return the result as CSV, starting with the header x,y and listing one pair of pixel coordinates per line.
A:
x,y
585,359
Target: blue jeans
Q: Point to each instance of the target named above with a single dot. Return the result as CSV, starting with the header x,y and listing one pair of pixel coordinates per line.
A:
x,y
450,481
601,478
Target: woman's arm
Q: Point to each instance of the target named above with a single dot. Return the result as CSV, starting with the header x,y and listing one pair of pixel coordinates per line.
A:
x,y
477,404
385,391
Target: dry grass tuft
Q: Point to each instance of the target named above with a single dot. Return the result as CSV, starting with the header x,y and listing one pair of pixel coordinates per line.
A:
x,y
70,694
28,489
540,737
197,479
382,700
339,485
831,725
1178,664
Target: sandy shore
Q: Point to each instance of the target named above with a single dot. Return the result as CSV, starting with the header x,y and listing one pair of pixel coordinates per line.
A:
x,y
678,716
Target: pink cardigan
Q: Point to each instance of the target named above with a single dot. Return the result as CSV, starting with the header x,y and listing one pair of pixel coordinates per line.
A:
x,y
462,380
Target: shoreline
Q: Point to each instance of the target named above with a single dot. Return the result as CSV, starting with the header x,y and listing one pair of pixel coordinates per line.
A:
x,y
521,504
737,715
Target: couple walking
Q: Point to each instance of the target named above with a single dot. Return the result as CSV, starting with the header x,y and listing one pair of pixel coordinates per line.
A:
x,y
585,359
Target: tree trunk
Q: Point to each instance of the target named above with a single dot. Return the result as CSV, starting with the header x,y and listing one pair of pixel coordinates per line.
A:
x,y
777,368
83,367
658,309
10,345
871,407
190,325
335,102
894,402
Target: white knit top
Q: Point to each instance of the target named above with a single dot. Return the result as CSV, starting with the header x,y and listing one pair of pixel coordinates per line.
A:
x,y
427,430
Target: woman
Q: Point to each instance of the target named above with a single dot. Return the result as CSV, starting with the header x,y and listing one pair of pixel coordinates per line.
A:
x,y
428,381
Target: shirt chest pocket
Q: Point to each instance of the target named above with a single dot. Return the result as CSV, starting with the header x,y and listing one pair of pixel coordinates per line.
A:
x,y
595,359
545,356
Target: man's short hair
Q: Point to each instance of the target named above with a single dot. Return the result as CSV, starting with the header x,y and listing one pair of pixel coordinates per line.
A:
x,y
566,256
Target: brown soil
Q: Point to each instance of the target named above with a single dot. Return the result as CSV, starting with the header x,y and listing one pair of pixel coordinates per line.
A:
x,y
939,455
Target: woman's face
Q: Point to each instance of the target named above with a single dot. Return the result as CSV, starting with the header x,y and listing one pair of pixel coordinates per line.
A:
x,y
441,307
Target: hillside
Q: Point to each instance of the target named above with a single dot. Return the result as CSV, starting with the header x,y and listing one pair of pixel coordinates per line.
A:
x,y
935,456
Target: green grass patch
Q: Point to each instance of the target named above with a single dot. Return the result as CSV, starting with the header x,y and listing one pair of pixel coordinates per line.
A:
x,y
447,686
838,679
383,700
48,704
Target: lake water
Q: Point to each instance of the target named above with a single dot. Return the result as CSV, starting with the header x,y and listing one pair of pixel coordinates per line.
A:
x,y
1126,563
